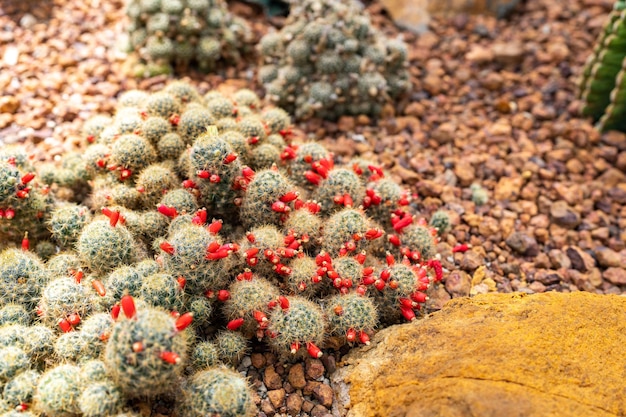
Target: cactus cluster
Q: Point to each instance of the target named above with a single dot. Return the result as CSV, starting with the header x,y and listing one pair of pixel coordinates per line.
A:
x,y
174,264
328,61
603,82
174,34
24,201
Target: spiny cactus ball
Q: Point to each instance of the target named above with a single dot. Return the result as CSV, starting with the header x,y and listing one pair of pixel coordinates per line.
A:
x,y
328,61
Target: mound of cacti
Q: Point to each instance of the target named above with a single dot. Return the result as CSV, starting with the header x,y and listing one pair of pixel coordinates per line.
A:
x,y
603,83
191,226
174,34
328,61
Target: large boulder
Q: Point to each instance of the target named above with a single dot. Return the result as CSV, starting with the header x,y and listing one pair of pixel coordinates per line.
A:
x,y
549,354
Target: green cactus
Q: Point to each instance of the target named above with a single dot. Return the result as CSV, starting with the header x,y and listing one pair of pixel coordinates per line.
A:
x,y
103,247
294,328
67,221
350,314
340,189
182,200
22,278
204,355
145,353
13,313
328,61
188,258
231,346
100,399
58,391
421,239
93,371
247,298
63,297
266,188
217,391
162,290
13,361
440,220
341,228
20,389
301,280
154,181
480,196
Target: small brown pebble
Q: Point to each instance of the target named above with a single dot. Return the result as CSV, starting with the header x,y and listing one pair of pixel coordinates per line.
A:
x,y
258,360
267,407
319,411
615,276
607,257
276,396
329,363
271,379
296,376
314,368
458,284
471,260
307,406
310,387
294,404
324,394
563,215
523,244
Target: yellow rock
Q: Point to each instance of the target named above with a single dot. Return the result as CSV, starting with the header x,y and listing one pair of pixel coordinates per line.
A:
x,y
549,354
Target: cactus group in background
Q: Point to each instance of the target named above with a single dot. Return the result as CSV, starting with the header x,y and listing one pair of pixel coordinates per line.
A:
x,y
173,261
171,35
328,61
603,82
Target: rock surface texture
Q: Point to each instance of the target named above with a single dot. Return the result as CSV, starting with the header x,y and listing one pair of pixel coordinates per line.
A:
x,y
549,354
415,14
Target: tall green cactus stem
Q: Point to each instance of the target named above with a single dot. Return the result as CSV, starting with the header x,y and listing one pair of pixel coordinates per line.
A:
x,y
217,391
145,353
601,83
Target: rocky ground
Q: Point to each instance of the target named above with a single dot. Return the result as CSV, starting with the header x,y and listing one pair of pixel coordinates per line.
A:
x,y
493,104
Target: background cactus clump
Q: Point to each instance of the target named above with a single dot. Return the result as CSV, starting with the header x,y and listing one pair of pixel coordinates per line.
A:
x,y
175,34
328,61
